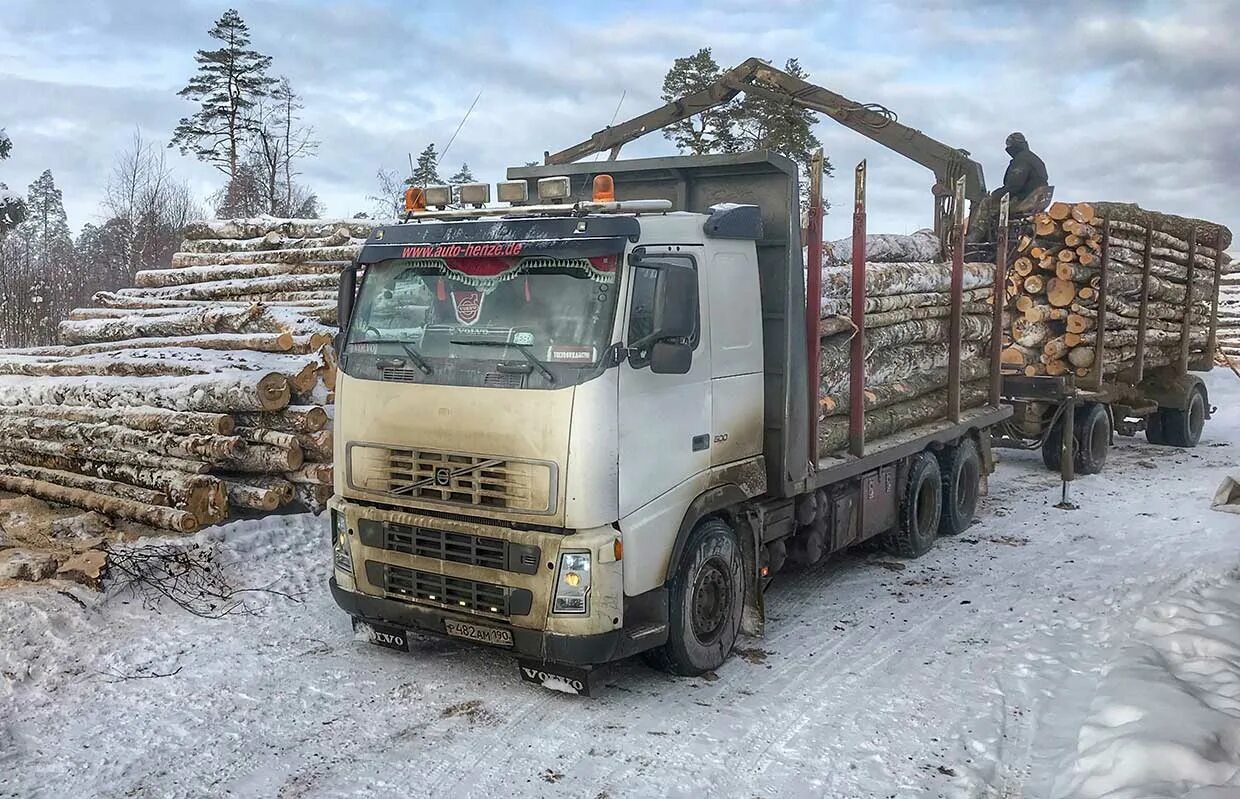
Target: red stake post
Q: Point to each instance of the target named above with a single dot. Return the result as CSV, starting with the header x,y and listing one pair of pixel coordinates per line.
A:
x,y
813,294
856,359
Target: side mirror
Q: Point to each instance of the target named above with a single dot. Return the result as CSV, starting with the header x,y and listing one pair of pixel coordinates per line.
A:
x,y
345,295
670,358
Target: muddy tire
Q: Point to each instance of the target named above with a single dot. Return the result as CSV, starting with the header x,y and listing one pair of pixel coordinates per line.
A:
x,y
1051,447
705,599
1182,428
920,509
1093,439
961,468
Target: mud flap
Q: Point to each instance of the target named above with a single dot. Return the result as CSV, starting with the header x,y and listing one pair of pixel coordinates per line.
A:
x,y
575,680
753,616
381,635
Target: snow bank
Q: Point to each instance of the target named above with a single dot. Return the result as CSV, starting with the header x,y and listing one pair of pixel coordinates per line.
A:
x,y
1166,718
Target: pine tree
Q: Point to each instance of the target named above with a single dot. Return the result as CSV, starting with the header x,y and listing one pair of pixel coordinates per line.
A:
x,y
426,172
780,127
463,175
12,207
41,282
228,84
710,131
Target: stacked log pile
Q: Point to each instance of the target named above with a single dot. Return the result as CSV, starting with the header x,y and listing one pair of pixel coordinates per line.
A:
x,y
907,328
202,392
1055,281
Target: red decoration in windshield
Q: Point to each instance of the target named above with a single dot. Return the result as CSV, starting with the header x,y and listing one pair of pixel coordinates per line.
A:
x,y
467,305
481,267
604,263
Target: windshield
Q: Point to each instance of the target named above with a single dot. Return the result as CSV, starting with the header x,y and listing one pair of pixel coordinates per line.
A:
x,y
522,322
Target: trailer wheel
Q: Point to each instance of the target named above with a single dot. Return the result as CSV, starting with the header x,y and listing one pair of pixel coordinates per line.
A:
x,y
1051,447
1154,429
961,468
1183,428
1093,439
920,508
705,600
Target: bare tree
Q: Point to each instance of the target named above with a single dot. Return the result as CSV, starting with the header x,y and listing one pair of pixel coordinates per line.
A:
x,y
389,202
266,181
145,195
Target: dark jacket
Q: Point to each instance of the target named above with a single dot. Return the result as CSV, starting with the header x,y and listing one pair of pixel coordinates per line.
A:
x,y
1025,174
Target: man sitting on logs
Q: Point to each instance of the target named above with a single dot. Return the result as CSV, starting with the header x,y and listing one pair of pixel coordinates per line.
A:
x,y
1025,181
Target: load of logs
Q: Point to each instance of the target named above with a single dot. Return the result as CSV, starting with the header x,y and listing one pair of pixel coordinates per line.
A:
x,y
1055,286
203,392
907,328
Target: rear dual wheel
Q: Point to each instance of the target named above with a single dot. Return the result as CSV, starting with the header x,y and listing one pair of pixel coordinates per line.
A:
x,y
1091,440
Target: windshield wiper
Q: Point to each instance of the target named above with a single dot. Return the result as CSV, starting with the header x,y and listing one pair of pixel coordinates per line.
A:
x,y
521,348
414,355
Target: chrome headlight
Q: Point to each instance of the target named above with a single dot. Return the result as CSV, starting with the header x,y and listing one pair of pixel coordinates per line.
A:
x,y
572,585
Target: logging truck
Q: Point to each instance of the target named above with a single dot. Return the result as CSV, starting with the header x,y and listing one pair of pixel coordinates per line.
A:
x,y
583,425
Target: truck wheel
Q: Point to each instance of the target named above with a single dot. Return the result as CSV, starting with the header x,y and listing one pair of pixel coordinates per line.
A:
x,y
1154,429
919,509
1093,439
961,468
1183,428
706,597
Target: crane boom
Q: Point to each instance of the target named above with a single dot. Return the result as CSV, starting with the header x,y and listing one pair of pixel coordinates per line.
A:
x,y
758,78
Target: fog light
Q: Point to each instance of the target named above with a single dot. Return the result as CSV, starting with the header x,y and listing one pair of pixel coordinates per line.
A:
x,y
342,558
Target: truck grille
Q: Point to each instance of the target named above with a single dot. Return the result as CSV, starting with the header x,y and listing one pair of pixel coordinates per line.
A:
x,y
456,478
453,593
441,545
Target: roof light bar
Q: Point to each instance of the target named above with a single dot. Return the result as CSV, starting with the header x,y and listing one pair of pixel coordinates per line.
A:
x,y
439,196
474,193
550,189
512,191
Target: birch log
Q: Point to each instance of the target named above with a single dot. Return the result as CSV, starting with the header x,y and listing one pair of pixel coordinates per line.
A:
x,y
248,391
833,431
180,323
904,278
151,419
109,505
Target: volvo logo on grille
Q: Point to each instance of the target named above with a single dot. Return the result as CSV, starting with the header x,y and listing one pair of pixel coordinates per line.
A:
x,y
443,476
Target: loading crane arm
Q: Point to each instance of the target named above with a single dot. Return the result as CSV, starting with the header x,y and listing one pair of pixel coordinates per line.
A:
x,y
758,78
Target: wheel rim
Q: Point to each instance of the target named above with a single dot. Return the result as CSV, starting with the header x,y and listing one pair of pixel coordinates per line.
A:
x,y
926,494
1196,417
712,600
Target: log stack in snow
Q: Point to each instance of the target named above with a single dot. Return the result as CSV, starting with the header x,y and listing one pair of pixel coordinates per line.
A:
x,y
1229,316
1055,284
202,392
907,327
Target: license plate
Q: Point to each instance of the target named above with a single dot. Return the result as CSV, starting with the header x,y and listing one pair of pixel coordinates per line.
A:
x,y
495,636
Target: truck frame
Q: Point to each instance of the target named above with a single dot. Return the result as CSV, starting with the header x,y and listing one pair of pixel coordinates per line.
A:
x,y
710,549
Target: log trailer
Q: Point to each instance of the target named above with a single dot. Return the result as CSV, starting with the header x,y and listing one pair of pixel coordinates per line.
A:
x,y
583,429
1072,420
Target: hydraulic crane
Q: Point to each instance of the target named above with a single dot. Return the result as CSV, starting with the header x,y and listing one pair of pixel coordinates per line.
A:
x,y
758,78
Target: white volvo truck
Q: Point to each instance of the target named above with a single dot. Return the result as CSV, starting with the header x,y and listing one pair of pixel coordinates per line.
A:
x,y
578,430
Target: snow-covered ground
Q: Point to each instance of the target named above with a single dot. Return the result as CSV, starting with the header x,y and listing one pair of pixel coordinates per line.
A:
x,y
1044,653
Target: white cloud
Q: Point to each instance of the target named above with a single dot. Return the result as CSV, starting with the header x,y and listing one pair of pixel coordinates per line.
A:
x,y
1124,101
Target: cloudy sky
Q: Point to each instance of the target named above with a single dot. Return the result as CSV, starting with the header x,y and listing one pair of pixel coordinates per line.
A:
x,y
1125,100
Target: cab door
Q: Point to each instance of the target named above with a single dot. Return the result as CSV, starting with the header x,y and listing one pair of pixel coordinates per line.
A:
x,y
665,419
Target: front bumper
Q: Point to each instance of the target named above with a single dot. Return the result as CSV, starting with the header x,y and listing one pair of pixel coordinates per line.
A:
x,y
548,647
